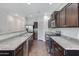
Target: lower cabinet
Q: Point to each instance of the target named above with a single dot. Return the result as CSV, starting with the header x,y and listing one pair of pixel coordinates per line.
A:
x,y
25,48
30,40
21,50
58,50
17,52
25,51
6,53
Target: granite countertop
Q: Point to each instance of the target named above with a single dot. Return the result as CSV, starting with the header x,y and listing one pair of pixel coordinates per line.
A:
x,y
66,43
13,43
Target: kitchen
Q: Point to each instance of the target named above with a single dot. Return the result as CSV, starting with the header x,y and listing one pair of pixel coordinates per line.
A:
x,y
39,29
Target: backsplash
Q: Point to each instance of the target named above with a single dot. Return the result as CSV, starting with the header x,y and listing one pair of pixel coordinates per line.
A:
x,y
70,32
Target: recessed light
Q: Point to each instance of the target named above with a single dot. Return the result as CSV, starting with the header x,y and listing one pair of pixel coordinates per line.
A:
x,y
29,3
16,15
50,3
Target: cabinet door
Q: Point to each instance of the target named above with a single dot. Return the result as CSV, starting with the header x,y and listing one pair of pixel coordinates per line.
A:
x,y
19,51
29,43
58,50
72,15
62,17
25,52
58,20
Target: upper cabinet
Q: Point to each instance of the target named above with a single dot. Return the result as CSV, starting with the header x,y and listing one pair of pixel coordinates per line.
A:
x,y
68,16
51,22
62,18
53,15
72,15
57,20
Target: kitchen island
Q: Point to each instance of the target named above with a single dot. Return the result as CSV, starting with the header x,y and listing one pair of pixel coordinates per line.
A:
x,y
16,45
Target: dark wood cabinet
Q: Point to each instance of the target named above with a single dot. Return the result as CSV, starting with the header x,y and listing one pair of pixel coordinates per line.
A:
x,y
25,52
19,51
72,15
29,44
68,16
54,17
57,20
58,50
22,50
62,18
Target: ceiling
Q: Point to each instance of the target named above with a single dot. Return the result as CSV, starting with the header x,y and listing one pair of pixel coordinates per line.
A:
x,y
33,10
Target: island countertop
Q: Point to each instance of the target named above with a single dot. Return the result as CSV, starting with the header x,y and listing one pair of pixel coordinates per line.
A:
x,y
13,43
66,43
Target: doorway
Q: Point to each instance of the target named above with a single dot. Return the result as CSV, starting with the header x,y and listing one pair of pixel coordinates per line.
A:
x,y
35,30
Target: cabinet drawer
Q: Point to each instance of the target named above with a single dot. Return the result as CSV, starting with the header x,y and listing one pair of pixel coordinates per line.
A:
x,y
6,53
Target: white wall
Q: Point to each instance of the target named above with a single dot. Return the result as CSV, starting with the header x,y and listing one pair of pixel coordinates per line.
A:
x,y
10,20
42,27
10,23
29,21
